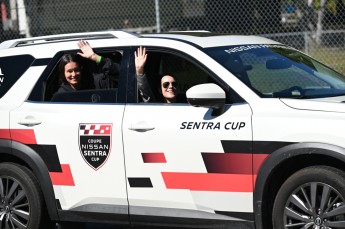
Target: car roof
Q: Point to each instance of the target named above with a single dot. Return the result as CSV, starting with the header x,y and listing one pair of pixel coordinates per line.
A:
x,y
65,37
200,38
206,39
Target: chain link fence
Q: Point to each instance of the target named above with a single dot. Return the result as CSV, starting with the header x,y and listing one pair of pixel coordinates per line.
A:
x,y
316,27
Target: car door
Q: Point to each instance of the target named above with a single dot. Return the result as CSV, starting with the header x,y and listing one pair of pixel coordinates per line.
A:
x,y
180,157
81,142
10,73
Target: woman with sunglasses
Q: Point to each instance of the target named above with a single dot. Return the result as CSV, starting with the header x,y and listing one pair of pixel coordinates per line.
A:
x,y
169,88
168,84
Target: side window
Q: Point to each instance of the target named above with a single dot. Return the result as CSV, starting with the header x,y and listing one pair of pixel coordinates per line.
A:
x,y
186,73
11,71
98,83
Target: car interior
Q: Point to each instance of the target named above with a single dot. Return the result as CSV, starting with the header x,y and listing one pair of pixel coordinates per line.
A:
x,y
186,73
88,96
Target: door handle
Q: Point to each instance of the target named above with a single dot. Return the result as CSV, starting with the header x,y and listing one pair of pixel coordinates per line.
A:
x,y
141,127
29,121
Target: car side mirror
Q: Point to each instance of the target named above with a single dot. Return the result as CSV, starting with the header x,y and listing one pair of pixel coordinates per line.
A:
x,y
207,95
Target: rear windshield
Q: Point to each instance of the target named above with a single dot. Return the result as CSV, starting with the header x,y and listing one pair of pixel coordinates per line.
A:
x,y
278,71
11,69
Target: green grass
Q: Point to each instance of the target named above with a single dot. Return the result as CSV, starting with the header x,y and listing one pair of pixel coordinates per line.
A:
x,y
332,57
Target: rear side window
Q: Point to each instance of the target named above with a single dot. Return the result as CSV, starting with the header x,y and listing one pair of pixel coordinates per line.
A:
x,y
11,69
93,76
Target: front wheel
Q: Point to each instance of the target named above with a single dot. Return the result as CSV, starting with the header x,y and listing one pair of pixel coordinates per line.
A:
x,y
21,201
313,198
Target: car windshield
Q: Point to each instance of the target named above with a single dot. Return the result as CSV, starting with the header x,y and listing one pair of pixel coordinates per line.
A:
x,y
278,71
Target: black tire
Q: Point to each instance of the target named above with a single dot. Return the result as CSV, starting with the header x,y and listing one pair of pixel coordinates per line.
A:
x,y
21,201
313,197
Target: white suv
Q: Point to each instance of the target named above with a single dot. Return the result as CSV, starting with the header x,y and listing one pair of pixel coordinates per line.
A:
x,y
257,140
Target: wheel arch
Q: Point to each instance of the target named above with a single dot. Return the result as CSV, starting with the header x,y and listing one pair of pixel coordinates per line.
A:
x,y
283,163
12,151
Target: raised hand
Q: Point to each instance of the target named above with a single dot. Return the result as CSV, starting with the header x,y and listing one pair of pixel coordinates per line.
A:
x,y
86,50
140,60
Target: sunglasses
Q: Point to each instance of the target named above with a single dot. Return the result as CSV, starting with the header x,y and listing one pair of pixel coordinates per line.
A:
x,y
166,84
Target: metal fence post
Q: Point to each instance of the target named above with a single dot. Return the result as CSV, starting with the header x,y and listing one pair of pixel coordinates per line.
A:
x,y
306,44
157,16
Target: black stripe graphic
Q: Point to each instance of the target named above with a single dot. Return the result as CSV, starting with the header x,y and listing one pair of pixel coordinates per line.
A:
x,y
239,215
142,182
237,146
257,147
41,62
262,147
49,155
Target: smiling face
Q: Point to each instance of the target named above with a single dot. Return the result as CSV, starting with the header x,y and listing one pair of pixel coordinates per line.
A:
x,y
72,74
169,87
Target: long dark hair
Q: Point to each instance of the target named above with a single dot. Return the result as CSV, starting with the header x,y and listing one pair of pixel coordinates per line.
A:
x,y
65,59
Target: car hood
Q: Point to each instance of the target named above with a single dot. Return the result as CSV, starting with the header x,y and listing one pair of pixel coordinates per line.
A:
x,y
331,104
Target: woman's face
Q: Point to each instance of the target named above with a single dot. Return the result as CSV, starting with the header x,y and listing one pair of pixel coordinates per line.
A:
x,y
72,74
169,87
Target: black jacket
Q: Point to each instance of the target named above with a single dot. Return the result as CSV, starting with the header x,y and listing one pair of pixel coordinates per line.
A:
x,y
104,75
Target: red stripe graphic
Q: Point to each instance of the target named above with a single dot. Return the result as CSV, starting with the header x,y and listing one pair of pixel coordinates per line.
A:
x,y
5,134
230,163
28,137
153,157
64,178
258,159
95,129
23,136
209,181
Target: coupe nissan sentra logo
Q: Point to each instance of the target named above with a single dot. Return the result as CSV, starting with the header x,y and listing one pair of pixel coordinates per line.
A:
x,y
95,143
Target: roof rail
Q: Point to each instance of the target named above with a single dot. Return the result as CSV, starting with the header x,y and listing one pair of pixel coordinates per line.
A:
x,y
189,31
66,37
